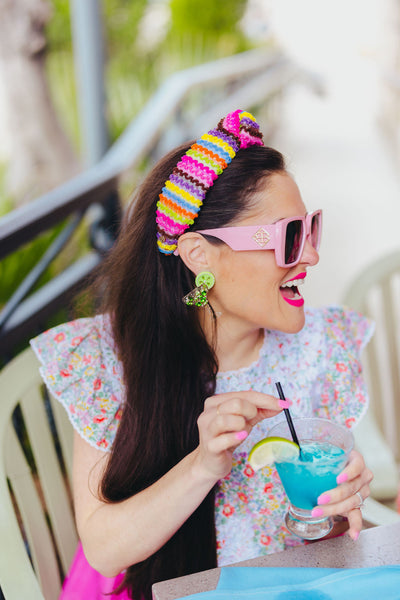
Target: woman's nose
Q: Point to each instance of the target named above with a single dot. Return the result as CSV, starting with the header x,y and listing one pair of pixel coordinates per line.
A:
x,y
310,255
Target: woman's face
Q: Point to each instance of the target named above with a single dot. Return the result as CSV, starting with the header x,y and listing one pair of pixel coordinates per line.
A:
x,y
248,292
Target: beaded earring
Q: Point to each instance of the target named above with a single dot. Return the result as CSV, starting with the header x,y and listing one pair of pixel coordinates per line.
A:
x,y
198,296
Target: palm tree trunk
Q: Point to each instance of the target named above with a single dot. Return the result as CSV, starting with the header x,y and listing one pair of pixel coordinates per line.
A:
x,y
41,155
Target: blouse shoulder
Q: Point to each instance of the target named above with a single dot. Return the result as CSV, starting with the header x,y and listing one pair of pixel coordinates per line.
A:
x,y
80,368
342,334
346,328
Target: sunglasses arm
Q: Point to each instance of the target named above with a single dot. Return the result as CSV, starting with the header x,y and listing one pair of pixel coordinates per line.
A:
x,y
248,237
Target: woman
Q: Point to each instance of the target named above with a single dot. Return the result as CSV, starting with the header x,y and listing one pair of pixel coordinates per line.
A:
x,y
168,396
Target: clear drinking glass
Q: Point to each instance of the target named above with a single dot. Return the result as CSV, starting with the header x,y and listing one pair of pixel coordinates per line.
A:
x,y
325,448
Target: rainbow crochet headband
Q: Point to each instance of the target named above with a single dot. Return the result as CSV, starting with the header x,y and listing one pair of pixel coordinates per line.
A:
x,y
184,192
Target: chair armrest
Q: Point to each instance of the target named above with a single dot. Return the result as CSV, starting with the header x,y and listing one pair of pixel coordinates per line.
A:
x,y
375,513
378,457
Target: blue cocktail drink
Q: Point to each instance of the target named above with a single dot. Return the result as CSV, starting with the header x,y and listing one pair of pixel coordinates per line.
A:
x,y
325,447
315,472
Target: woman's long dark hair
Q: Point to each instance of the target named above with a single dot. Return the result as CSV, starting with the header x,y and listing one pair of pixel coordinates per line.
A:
x,y
169,368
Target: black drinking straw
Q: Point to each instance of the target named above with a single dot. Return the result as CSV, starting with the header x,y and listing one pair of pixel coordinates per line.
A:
x,y
288,416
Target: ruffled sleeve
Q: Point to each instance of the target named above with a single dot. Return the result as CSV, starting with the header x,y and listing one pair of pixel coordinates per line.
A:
x,y
81,370
340,393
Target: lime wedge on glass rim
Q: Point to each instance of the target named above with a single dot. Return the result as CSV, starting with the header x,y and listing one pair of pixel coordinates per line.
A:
x,y
272,449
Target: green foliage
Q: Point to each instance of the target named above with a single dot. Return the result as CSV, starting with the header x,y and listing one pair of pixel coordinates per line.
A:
x,y
121,21
204,31
6,203
129,74
199,31
128,81
210,18
61,77
15,267
58,30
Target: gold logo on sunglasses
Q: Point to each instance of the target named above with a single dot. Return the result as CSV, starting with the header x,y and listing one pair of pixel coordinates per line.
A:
x,y
261,237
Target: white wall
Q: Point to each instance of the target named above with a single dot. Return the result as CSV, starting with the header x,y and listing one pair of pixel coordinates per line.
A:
x,y
334,145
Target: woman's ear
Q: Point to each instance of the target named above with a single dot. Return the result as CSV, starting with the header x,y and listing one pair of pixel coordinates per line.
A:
x,y
194,250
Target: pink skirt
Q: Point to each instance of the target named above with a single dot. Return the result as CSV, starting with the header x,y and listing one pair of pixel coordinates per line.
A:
x,y
84,583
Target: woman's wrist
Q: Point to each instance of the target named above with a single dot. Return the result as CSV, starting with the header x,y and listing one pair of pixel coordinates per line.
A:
x,y
199,472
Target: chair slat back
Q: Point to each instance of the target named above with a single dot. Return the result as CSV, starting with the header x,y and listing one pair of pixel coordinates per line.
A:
x,y
65,435
17,578
36,519
33,517
375,293
54,488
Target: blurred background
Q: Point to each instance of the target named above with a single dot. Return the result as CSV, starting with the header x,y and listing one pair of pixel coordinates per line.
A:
x,y
96,84
343,145
93,92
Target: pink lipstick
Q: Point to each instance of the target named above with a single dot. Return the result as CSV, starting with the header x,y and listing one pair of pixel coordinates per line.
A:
x,y
301,275
289,290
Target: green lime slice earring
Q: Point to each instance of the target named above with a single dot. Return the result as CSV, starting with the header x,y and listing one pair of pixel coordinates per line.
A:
x,y
198,296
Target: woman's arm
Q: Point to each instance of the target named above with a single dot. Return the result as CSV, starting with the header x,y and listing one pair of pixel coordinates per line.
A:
x,y
117,535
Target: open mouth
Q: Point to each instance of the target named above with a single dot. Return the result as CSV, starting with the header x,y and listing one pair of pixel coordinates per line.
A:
x,y
290,290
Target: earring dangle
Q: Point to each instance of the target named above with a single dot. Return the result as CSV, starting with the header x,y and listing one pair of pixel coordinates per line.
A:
x,y
198,296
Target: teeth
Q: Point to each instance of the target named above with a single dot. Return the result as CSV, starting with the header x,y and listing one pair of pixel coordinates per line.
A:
x,y
293,283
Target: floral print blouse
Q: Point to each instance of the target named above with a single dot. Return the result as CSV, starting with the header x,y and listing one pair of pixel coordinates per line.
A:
x,y
319,369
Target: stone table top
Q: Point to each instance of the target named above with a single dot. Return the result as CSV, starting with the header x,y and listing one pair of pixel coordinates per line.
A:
x,y
375,546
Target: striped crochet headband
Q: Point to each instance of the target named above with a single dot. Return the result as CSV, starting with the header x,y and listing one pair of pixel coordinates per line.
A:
x,y
183,193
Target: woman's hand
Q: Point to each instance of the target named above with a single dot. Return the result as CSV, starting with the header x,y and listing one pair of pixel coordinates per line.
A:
x,y
345,500
148,519
226,421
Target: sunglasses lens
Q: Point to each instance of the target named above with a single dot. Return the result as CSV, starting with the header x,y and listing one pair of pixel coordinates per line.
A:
x,y
315,229
294,234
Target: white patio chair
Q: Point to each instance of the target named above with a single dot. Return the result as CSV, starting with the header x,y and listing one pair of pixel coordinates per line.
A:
x,y
375,293
37,530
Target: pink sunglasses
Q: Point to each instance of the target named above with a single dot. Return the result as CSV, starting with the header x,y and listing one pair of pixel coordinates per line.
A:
x,y
287,237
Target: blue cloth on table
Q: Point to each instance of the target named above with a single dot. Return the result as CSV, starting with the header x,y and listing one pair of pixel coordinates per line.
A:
x,y
292,583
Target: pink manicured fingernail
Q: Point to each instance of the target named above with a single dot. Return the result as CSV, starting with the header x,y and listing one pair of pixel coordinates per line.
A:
x,y
342,478
355,535
241,435
317,512
285,403
324,499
